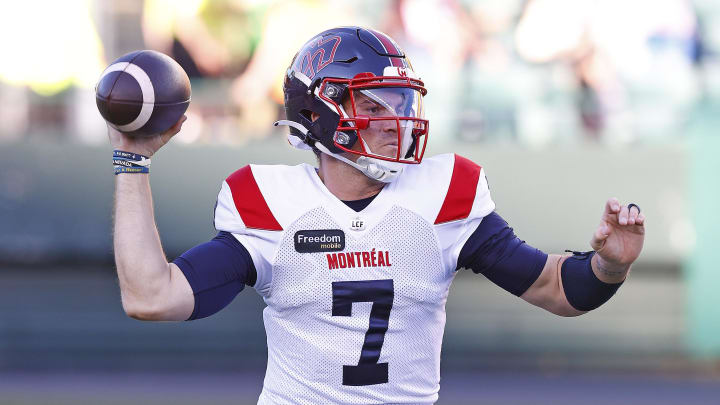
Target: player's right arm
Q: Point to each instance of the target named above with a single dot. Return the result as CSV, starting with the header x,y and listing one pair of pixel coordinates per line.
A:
x,y
198,283
150,287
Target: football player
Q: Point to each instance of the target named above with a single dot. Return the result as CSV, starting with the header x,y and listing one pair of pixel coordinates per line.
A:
x,y
354,258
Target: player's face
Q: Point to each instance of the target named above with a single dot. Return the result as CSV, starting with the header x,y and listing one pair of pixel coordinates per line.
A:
x,y
385,136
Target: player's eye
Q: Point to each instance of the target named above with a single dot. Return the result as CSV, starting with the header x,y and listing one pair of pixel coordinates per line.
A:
x,y
370,108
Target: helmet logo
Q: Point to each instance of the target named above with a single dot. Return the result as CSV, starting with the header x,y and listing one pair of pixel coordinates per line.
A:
x,y
399,71
316,55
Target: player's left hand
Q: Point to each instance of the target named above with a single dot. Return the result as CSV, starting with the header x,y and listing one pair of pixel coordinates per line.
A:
x,y
619,237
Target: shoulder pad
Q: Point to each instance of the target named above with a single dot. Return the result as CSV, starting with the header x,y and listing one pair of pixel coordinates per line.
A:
x,y
465,193
242,205
446,188
265,197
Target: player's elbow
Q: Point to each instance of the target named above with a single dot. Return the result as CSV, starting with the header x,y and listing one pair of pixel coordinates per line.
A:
x,y
551,299
136,311
143,311
570,312
561,307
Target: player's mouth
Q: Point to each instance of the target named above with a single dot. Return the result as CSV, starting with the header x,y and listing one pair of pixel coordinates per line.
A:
x,y
388,150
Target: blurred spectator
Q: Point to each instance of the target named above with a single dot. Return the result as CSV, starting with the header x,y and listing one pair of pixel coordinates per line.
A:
x,y
213,40
633,60
436,33
174,28
286,25
491,77
47,46
533,71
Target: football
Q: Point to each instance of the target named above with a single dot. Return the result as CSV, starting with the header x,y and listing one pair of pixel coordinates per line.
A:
x,y
143,93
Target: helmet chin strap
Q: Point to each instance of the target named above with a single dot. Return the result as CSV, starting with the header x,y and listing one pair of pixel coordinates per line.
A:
x,y
376,169
295,141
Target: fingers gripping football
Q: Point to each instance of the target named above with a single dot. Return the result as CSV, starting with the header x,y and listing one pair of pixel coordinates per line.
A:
x,y
620,235
145,146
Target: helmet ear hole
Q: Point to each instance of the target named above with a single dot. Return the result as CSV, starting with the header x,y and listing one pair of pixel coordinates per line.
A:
x,y
307,114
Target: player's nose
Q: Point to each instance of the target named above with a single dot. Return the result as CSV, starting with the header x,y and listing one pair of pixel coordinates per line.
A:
x,y
389,126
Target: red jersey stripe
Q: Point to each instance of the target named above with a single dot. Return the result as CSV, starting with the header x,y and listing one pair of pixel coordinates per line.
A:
x,y
461,193
250,202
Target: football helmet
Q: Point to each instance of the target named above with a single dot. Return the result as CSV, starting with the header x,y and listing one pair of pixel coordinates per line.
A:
x,y
352,90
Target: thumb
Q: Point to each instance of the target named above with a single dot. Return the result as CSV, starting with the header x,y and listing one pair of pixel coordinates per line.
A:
x,y
601,234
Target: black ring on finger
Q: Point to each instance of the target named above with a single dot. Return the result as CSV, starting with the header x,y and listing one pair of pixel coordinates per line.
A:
x,y
633,205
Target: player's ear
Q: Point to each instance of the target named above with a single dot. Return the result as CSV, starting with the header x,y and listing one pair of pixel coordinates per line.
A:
x,y
314,116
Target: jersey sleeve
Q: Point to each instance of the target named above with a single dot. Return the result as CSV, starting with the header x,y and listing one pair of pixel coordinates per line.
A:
x,y
242,210
216,271
466,201
494,251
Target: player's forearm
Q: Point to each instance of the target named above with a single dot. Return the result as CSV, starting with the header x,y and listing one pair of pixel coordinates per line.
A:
x,y
547,291
569,289
143,270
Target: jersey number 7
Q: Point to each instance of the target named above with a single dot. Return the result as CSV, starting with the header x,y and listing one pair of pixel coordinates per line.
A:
x,y
380,293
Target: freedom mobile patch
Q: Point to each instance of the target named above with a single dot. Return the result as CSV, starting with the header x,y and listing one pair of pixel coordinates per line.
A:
x,y
319,240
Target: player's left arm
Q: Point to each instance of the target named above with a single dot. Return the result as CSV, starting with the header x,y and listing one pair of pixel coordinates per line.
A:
x,y
573,285
563,285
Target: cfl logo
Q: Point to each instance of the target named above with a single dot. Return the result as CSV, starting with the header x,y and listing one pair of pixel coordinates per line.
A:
x,y
357,224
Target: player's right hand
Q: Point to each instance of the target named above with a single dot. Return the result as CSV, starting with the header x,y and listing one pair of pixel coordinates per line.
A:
x,y
143,146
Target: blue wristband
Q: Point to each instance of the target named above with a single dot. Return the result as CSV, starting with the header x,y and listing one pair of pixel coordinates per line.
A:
x,y
128,155
583,290
128,162
125,163
137,169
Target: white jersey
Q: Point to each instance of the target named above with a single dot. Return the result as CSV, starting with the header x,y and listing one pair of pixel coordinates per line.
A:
x,y
355,300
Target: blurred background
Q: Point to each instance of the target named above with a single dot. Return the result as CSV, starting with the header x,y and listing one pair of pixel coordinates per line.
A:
x,y
564,102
